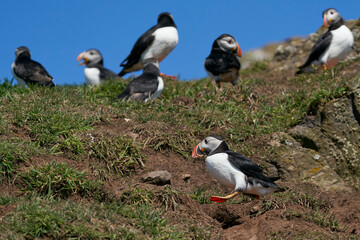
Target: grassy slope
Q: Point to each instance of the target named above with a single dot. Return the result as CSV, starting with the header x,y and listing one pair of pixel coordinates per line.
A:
x,y
54,171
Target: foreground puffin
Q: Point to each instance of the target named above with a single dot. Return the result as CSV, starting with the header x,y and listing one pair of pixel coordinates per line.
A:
x,y
27,71
95,73
222,64
233,169
332,46
156,43
148,85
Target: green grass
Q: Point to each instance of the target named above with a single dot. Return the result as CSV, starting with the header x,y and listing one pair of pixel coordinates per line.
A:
x,y
55,180
37,217
13,152
317,217
121,155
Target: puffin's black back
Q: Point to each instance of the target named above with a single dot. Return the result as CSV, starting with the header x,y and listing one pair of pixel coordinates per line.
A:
x,y
144,41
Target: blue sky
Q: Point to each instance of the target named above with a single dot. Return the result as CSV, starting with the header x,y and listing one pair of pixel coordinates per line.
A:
x,y
57,31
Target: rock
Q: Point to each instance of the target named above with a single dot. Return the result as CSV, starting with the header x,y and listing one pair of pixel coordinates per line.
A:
x,y
297,162
283,53
324,148
159,178
186,177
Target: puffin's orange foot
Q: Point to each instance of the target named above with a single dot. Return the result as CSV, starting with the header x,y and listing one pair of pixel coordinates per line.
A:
x,y
223,199
324,67
167,76
217,199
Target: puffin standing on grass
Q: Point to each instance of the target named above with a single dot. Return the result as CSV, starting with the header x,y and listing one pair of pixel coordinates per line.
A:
x,y
95,73
222,64
156,43
148,85
234,170
332,46
27,71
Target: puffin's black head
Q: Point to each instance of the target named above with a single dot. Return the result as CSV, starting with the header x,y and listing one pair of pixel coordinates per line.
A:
x,y
208,145
227,43
166,19
331,16
23,51
151,66
91,56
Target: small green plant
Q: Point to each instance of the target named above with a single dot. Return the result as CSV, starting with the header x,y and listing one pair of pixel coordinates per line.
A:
x,y
13,152
35,219
54,180
201,195
120,154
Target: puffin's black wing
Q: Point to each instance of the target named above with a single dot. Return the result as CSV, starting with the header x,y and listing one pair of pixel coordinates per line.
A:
x,y
248,166
106,74
34,73
218,63
143,86
144,41
318,49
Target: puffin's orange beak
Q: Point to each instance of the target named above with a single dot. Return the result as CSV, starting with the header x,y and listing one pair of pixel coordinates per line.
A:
x,y
238,53
325,22
195,153
81,56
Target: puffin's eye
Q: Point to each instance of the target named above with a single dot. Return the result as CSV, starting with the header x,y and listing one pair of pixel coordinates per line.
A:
x,y
91,53
331,12
206,141
229,41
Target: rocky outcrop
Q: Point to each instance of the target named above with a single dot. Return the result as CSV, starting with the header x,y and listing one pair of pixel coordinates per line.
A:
x,y
324,148
293,52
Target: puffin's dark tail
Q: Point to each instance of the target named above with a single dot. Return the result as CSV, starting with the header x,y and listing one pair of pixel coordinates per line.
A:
x,y
122,73
298,72
274,178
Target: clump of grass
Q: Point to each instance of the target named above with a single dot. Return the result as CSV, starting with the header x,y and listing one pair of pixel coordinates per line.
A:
x,y
36,220
4,200
281,200
13,152
55,180
120,154
317,217
256,67
162,137
201,195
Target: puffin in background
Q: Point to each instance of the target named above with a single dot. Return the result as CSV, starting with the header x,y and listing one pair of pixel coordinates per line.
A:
x,y
27,71
148,85
234,170
95,73
332,46
222,64
156,43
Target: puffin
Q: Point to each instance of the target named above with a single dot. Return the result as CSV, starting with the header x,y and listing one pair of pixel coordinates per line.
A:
x,y
222,64
234,170
27,71
332,46
95,73
148,85
157,42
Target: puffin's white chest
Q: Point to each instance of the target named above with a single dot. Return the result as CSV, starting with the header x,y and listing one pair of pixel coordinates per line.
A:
x,y
342,41
165,41
18,79
92,76
159,88
223,171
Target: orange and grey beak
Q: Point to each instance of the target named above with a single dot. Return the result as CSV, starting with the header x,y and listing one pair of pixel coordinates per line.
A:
x,y
326,24
196,153
238,50
81,56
